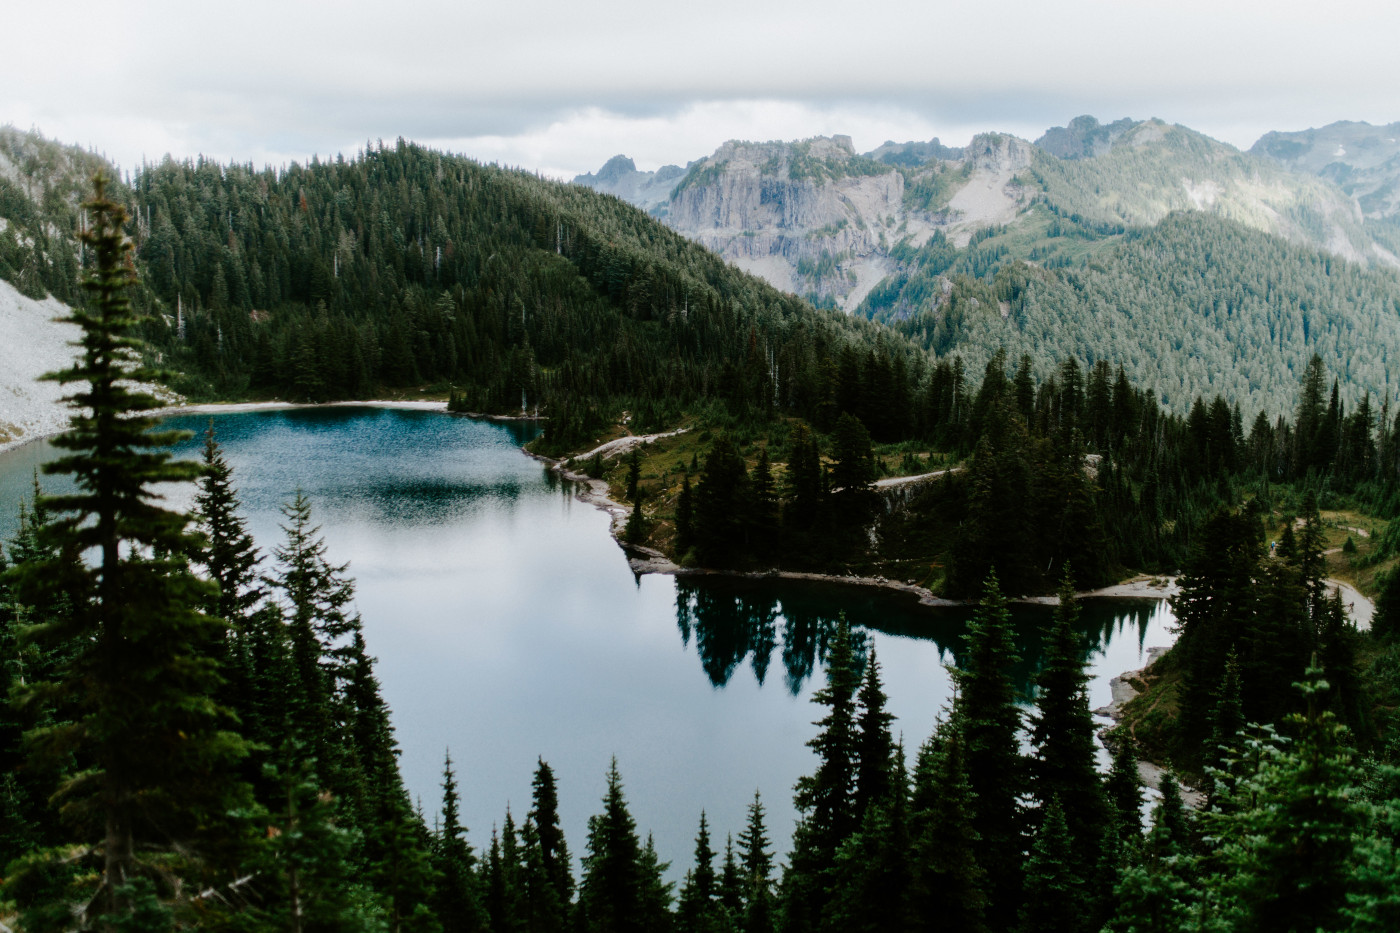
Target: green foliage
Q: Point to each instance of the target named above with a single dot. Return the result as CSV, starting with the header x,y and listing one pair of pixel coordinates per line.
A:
x,y
145,757
989,722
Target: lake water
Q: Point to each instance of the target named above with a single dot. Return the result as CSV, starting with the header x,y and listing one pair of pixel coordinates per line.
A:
x,y
508,626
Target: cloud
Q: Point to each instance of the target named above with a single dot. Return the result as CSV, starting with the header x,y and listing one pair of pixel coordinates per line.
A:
x,y
272,80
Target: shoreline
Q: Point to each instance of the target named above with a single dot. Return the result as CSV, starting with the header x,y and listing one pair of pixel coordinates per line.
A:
x,y
644,560
215,408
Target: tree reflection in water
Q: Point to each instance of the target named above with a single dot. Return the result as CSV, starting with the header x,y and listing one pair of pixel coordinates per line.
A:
x,y
733,620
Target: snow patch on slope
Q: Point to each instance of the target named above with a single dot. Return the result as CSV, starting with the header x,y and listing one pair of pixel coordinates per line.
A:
x,y
32,343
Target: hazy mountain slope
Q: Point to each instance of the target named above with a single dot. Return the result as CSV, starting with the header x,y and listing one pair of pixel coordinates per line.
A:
x,y
619,177
1194,305
1153,169
815,218
1363,160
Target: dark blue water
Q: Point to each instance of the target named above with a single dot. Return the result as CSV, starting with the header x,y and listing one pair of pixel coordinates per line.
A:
x,y
508,626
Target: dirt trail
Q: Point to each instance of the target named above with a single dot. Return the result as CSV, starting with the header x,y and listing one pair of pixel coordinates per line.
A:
x,y
623,444
920,478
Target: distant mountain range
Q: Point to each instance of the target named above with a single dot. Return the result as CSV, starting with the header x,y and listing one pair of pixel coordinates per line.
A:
x,y
816,218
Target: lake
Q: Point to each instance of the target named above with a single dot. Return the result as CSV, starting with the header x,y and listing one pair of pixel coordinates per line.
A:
x,y
508,626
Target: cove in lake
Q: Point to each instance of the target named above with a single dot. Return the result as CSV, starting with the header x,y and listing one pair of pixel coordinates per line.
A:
x,y
509,626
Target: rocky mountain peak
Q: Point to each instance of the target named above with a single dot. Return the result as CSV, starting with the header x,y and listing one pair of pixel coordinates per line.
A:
x,y
1084,138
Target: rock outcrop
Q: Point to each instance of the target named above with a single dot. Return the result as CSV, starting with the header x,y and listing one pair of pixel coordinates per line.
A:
x,y
816,218
1361,159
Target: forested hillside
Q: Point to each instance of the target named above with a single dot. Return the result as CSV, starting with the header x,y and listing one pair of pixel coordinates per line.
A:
x,y
1195,305
405,267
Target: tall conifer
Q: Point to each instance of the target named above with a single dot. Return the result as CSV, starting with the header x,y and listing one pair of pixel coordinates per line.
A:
x,y
136,686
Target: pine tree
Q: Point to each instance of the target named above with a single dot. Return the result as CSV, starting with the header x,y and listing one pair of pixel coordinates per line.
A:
x,y
874,747
1123,787
990,721
1054,897
554,850
230,555
1065,767
614,875
948,884
757,862
137,683
697,901
456,901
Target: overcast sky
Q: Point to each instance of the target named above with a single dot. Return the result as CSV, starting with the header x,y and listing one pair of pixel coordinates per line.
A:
x,y
561,86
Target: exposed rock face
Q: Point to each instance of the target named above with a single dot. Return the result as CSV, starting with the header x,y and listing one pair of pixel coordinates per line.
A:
x,y
1363,160
1084,138
814,207
815,218
647,190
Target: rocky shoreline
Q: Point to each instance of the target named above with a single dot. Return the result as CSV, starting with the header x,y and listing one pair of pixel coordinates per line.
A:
x,y
644,560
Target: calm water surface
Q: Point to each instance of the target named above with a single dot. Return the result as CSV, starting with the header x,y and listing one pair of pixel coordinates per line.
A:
x,y
508,626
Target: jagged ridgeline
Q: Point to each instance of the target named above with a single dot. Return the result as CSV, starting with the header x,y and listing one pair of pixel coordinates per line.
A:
x,y
407,267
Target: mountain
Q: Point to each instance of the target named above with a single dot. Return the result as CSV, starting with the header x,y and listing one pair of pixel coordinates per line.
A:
x,y
1363,160
404,267
619,176
815,218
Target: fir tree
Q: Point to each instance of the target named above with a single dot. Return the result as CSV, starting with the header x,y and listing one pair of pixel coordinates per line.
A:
x,y
1065,766
1290,858
757,867
697,901
731,886
948,884
1123,787
989,722
685,517
614,873
634,472
456,901
554,850
636,530
874,748
872,872
316,597
1054,898
230,555
826,798
304,873
137,683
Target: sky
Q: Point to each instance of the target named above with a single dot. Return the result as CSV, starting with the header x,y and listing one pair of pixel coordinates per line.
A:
x,y
558,87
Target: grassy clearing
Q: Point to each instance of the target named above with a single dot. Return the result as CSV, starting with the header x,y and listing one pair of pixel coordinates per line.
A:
x,y
1359,562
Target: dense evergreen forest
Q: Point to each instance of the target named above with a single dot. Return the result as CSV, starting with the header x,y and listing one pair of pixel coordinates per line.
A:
x,y
195,737
1252,308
